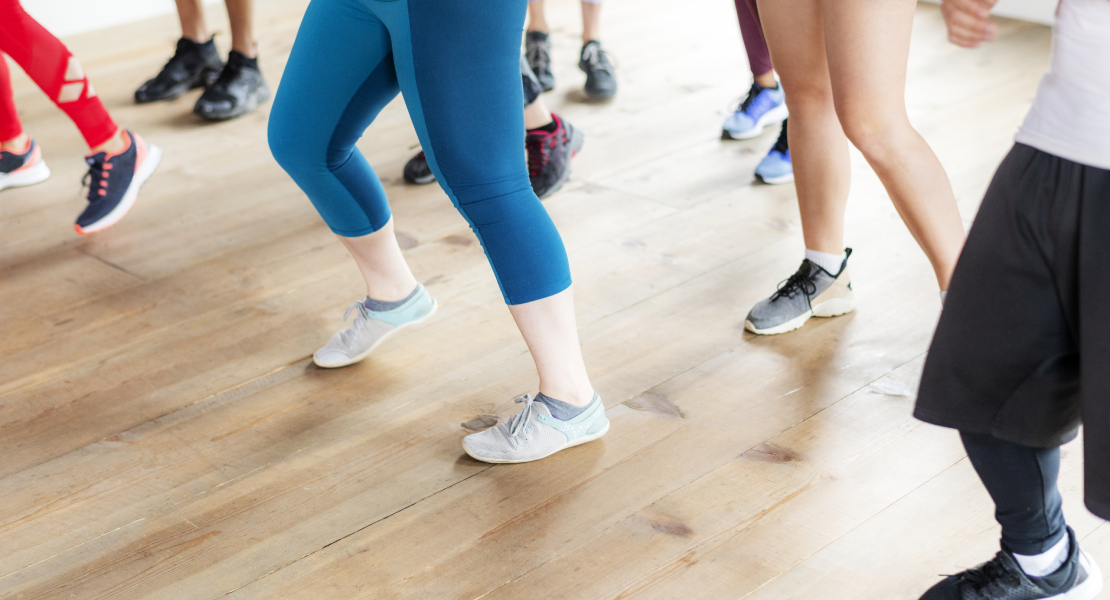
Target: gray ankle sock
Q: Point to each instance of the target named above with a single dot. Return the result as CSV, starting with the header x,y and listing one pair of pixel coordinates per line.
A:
x,y
561,410
382,306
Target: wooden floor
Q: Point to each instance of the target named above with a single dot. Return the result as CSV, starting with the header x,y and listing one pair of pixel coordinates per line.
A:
x,y
163,433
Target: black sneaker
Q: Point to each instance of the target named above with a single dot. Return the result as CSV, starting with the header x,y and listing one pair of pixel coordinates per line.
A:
x,y
239,90
193,65
601,83
537,49
26,168
549,155
1002,579
417,170
114,182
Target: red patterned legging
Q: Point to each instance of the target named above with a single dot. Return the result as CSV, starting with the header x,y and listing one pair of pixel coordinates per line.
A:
x,y
48,62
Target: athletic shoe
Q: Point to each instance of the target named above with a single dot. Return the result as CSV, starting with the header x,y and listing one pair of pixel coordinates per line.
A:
x,y
533,433
549,155
601,83
193,65
761,107
371,328
1078,578
27,168
239,90
775,168
114,181
810,292
417,170
537,49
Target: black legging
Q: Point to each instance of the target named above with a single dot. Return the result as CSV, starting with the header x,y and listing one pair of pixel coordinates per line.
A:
x,y
1022,482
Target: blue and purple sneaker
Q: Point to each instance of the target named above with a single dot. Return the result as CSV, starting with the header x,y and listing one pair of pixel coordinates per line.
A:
x,y
760,108
24,168
114,181
776,168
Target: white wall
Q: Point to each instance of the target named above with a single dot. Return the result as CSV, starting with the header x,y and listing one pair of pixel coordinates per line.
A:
x,y
1038,11
65,17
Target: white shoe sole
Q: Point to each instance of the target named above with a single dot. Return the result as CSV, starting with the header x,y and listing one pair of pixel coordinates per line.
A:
x,y
576,442
775,115
153,158
36,174
1088,590
777,180
829,308
360,357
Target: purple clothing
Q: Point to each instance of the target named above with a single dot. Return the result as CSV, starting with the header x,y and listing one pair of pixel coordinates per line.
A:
x,y
759,58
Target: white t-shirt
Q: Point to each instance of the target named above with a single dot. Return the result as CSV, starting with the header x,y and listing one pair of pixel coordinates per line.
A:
x,y
1070,117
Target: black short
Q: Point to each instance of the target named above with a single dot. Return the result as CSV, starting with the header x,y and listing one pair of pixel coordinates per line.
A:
x,y
1022,351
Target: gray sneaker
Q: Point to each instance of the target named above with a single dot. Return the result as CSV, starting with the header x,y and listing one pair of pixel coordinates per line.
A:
x,y
371,328
533,433
811,292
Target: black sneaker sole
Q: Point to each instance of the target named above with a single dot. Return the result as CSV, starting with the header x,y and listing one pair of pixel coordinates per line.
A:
x,y
253,101
203,79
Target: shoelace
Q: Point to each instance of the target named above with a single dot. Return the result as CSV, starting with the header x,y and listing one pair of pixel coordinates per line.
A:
x,y
538,57
990,575
538,148
96,179
228,74
782,144
753,93
597,58
799,282
518,423
348,334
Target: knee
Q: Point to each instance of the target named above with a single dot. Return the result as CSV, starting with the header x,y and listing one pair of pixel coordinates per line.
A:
x,y
282,136
810,102
875,136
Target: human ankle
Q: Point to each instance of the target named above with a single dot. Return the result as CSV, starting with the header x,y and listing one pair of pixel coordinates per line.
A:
x,y
17,145
113,145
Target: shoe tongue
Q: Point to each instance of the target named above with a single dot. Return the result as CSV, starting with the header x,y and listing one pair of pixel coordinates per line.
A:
x,y
96,159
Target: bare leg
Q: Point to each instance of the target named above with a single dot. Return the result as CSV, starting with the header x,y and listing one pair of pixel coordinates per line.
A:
x,y
191,15
550,330
818,148
19,143
379,258
868,44
767,79
537,21
536,115
241,15
113,145
591,21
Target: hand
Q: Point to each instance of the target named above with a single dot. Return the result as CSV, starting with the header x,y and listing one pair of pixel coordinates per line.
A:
x,y
969,22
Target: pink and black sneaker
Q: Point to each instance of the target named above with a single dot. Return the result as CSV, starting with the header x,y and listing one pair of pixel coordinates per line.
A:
x,y
26,168
114,181
549,154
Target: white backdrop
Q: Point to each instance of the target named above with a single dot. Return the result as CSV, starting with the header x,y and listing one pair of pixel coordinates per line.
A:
x,y
63,17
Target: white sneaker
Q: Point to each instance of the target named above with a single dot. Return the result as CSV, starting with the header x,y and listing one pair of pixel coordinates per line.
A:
x,y
371,328
533,433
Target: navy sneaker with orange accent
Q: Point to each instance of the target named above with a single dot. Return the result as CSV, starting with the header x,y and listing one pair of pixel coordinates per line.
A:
x,y
549,154
114,181
26,168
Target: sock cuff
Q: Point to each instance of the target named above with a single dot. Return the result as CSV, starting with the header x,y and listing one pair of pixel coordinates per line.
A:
x,y
828,262
382,305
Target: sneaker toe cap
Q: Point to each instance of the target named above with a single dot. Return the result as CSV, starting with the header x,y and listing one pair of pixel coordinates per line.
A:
x,y
329,358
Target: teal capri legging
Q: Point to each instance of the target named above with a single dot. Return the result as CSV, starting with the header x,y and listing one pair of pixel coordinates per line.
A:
x,y
456,63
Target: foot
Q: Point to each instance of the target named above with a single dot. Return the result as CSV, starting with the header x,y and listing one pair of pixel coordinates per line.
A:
x,y
761,107
26,168
1078,578
114,181
537,49
371,328
533,433
810,292
193,65
417,170
601,82
775,168
549,155
239,90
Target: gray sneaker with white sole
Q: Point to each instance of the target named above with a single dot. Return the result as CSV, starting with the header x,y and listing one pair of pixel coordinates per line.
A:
x,y
371,328
810,292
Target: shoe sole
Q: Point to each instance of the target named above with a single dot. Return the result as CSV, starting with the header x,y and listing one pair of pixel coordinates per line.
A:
x,y
153,159
430,178
1088,590
360,357
781,179
36,174
576,442
775,115
577,139
253,102
829,308
206,78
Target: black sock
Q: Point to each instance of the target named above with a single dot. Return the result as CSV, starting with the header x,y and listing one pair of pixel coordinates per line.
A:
x,y
244,59
549,128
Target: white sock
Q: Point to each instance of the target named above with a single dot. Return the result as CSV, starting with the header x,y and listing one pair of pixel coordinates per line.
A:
x,y
828,262
1045,563
943,297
